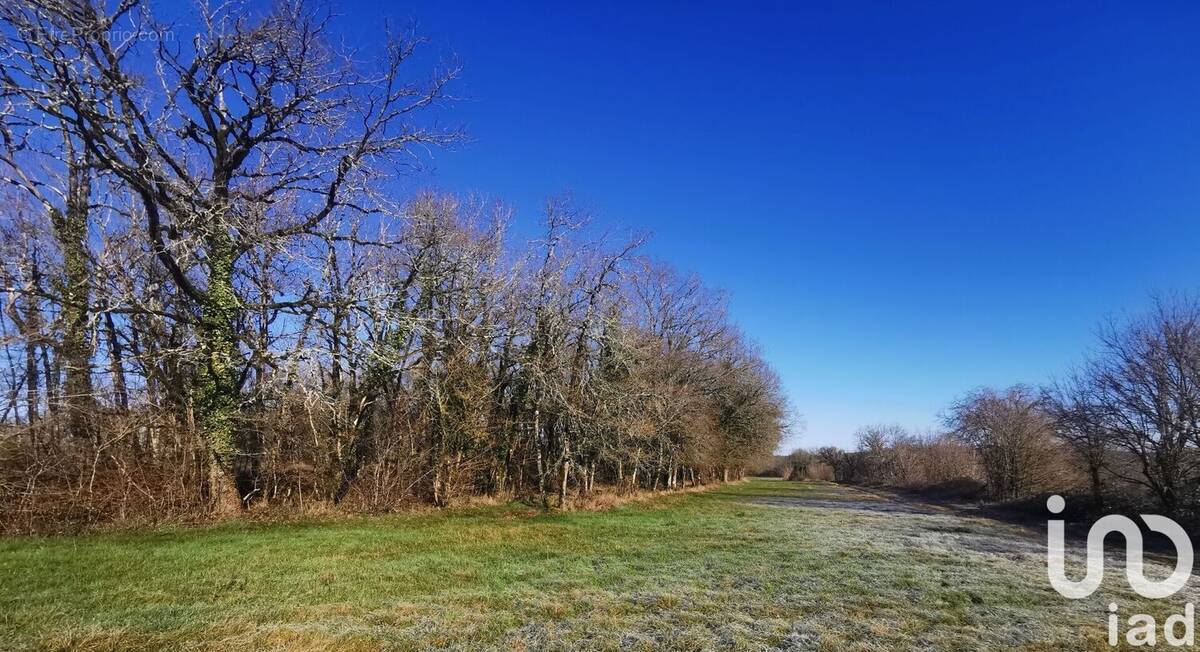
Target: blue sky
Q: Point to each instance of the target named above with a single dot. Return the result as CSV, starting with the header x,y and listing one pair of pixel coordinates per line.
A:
x,y
904,200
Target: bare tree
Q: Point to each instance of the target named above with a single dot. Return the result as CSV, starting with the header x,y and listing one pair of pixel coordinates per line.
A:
x,y
1078,420
216,238
254,134
47,162
1012,435
1144,395
876,447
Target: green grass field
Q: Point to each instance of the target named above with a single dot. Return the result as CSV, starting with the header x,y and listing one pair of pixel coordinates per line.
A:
x,y
757,565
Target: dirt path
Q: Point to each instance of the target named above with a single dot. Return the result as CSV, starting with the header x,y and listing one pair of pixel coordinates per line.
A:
x,y
943,525
835,496
976,527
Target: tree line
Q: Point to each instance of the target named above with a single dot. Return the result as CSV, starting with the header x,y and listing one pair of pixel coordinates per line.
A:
x,y
1122,429
215,296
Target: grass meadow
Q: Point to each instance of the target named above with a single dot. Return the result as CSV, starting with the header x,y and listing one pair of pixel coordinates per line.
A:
x,y
763,564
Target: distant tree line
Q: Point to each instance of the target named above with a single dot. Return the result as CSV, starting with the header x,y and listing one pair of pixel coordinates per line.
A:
x,y
1123,429
213,297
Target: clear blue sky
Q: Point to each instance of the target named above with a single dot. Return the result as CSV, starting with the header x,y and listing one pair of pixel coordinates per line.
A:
x,y
904,200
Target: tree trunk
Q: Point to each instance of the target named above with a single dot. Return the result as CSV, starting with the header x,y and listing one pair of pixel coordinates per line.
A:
x,y
1097,485
217,390
566,475
116,364
27,318
32,399
541,461
70,230
50,370
223,495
